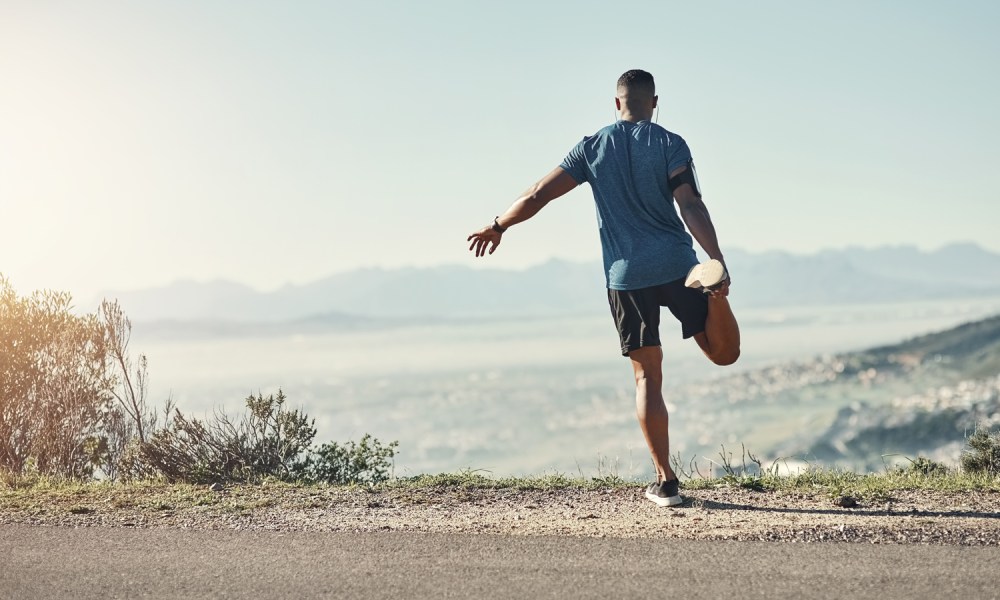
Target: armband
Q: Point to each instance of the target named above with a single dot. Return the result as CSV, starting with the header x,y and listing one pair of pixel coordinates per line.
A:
x,y
688,176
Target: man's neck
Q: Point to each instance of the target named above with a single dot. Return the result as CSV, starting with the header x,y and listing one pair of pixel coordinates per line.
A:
x,y
632,117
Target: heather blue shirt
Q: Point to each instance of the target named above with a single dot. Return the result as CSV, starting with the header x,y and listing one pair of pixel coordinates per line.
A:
x,y
642,237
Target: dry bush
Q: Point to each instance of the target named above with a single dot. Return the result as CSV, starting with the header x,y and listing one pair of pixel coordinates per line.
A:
x,y
72,401
129,421
267,442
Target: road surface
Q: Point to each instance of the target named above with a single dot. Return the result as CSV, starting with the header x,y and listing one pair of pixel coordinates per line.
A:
x,y
98,562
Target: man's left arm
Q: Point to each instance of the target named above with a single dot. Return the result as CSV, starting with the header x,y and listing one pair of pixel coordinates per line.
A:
x,y
550,187
695,215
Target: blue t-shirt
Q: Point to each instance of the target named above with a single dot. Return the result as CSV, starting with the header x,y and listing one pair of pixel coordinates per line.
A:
x,y
627,166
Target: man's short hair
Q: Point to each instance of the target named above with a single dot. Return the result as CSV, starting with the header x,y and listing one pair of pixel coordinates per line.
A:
x,y
637,81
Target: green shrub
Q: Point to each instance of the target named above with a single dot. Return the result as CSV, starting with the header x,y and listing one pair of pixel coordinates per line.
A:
x,y
366,462
926,466
982,454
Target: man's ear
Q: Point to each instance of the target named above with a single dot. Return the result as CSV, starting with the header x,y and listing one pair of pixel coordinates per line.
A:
x,y
618,103
655,100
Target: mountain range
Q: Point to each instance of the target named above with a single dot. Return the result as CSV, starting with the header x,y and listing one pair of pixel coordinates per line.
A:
x,y
774,278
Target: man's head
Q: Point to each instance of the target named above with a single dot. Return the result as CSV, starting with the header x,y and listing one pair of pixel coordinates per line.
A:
x,y
636,94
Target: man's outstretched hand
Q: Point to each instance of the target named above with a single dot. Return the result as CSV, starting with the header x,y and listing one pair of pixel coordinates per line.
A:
x,y
485,237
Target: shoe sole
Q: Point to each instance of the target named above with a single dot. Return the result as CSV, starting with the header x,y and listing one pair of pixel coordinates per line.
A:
x,y
706,275
671,501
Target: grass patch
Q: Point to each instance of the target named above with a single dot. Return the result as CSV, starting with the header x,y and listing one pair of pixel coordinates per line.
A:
x,y
44,494
750,473
871,486
811,481
478,480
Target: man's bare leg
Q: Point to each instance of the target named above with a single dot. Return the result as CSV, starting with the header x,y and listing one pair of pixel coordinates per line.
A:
x,y
721,339
647,363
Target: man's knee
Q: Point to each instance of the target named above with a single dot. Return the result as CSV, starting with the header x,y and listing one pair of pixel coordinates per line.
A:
x,y
649,377
647,363
725,357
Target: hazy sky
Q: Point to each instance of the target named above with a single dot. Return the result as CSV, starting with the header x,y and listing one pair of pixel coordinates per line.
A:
x,y
275,142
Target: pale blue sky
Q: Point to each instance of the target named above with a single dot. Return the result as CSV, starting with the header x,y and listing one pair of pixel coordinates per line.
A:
x,y
270,142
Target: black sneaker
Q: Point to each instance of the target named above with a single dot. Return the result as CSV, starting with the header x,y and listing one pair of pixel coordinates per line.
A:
x,y
664,493
707,276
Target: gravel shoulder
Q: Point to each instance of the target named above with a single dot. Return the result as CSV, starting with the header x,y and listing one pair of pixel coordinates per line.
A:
x,y
727,513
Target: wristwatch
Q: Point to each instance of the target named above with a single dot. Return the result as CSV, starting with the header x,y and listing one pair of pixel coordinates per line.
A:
x,y
496,225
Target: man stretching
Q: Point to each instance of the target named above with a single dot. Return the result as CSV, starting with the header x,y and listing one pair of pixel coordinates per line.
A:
x,y
636,169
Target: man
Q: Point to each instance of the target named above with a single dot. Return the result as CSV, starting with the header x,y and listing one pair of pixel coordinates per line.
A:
x,y
636,169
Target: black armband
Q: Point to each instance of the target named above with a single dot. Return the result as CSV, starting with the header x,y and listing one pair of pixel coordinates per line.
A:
x,y
687,176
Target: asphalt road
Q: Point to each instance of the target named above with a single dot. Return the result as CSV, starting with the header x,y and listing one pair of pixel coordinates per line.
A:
x,y
52,562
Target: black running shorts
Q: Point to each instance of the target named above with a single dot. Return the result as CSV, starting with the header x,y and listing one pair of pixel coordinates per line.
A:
x,y
637,312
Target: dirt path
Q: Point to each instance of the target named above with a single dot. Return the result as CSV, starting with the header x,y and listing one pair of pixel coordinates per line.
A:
x,y
968,518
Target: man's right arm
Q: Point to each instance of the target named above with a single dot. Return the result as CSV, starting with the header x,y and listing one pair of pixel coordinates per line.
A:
x,y
557,183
